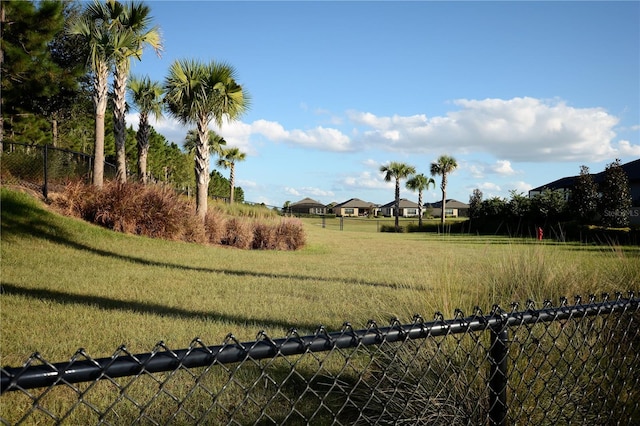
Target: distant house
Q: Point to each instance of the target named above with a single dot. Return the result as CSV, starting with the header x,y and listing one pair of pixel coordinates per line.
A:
x,y
453,208
355,207
307,206
407,208
632,169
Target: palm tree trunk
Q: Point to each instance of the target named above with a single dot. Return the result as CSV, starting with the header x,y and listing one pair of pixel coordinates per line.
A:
x,y
420,209
119,125
100,103
232,181
397,205
444,199
143,147
202,169
54,132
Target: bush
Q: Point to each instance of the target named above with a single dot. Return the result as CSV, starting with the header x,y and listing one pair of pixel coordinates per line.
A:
x,y
77,200
391,228
290,234
159,212
215,226
264,236
239,233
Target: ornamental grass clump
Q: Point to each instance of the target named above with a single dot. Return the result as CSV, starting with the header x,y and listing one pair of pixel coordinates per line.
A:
x,y
132,208
77,200
159,212
239,233
215,225
264,236
290,234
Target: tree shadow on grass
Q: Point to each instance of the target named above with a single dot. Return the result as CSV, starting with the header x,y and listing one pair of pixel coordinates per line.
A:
x,y
22,217
107,303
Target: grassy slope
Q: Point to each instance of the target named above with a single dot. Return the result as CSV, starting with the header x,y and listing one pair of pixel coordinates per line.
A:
x,y
67,284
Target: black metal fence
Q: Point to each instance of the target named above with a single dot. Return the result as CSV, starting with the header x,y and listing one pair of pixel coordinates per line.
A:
x,y
577,364
43,167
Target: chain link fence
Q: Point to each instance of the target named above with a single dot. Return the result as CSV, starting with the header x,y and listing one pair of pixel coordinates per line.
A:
x,y
577,364
44,168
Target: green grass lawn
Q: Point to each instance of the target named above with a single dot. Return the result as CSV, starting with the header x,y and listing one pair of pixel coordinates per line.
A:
x,y
67,284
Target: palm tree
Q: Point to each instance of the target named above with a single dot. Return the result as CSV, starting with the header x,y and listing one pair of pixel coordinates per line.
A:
x,y
286,208
197,93
94,27
228,160
216,142
146,95
397,171
443,166
420,183
131,22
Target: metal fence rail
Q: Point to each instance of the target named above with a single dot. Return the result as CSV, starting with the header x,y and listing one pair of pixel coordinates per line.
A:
x,y
554,365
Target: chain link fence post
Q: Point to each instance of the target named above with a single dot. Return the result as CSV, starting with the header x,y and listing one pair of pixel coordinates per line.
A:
x,y
45,186
498,376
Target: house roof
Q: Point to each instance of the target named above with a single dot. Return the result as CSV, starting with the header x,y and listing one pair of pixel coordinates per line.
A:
x,y
451,204
354,203
404,204
632,169
307,202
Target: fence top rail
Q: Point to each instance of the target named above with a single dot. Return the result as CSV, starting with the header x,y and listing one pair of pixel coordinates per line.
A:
x,y
53,148
37,372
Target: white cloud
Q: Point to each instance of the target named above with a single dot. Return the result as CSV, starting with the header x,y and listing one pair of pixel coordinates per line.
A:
x,y
236,133
489,187
170,128
514,130
316,192
366,180
477,171
247,183
321,138
371,163
503,167
518,129
309,191
520,187
626,149
291,191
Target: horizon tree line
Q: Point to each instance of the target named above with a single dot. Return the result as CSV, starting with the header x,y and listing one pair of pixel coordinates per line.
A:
x,y
586,203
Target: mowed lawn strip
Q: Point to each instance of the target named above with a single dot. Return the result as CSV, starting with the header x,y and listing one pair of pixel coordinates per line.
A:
x,y
68,284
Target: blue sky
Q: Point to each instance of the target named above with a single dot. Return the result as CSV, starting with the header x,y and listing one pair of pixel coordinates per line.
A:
x,y
520,93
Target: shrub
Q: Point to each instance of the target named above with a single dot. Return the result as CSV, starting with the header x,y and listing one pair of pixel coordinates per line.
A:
x,y
391,228
159,212
215,226
194,230
264,236
290,234
147,210
78,200
239,233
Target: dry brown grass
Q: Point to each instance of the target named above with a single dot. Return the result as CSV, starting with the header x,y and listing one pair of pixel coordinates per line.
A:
x,y
215,225
239,233
290,234
159,212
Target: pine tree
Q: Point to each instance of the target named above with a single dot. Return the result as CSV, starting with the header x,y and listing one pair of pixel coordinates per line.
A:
x,y
583,201
475,204
40,73
615,201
